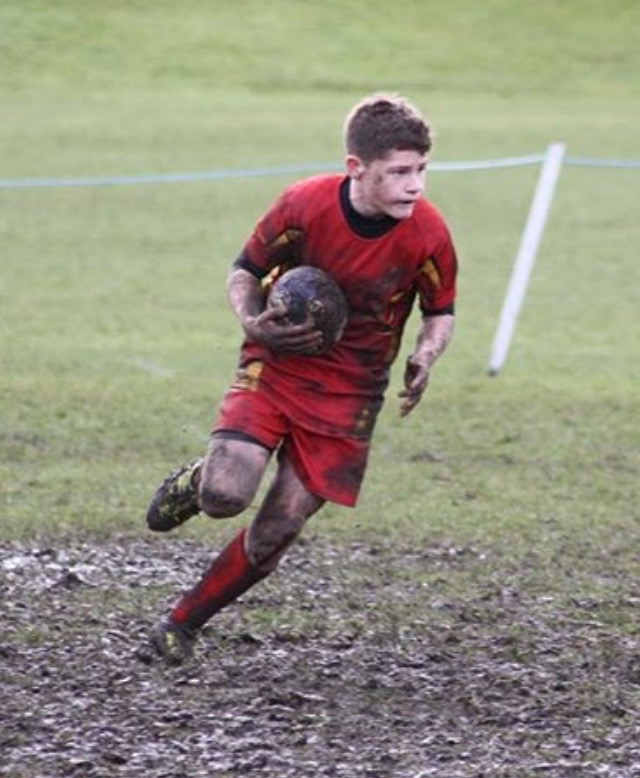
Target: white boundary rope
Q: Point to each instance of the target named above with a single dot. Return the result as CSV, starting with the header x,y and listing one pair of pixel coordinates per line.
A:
x,y
283,170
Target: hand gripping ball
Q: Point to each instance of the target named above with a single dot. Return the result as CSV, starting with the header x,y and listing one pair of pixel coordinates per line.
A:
x,y
309,291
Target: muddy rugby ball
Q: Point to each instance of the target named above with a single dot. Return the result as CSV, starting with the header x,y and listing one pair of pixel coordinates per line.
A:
x,y
309,291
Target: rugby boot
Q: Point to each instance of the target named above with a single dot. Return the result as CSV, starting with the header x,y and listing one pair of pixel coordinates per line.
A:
x,y
176,499
172,643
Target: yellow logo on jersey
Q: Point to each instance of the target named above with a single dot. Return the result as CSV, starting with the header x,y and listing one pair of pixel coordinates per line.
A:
x,y
430,269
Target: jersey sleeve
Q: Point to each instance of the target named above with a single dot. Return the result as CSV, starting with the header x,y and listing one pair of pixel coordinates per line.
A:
x,y
437,280
276,240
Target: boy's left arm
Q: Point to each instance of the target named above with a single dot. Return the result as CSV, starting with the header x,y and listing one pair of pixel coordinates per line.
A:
x,y
433,338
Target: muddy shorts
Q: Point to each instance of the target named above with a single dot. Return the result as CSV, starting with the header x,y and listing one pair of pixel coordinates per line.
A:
x,y
329,466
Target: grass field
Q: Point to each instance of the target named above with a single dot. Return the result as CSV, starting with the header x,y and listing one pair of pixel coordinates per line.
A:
x,y
117,342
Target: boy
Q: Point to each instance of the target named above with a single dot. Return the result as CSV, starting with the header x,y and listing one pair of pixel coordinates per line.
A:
x,y
386,246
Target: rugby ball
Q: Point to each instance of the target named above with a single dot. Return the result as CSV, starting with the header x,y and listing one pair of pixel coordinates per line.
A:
x,y
309,291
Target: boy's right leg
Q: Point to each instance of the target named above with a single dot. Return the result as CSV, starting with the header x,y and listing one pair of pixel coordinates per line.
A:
x,y
227,480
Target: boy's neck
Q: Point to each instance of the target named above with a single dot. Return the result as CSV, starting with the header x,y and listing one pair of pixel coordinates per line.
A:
x,y
364,226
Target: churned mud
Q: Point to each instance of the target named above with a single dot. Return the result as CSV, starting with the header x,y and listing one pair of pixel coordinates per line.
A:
x,y
348,662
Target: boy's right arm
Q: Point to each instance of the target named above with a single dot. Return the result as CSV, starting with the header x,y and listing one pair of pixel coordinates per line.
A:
x,y
268,326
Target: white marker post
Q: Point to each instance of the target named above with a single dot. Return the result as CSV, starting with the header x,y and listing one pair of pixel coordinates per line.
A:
x,y
526,256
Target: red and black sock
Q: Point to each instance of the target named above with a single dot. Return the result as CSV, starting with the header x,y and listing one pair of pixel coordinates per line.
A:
x,y
229,575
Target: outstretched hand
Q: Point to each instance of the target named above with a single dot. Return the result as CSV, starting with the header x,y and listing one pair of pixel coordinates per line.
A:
x,y
273,329
416,380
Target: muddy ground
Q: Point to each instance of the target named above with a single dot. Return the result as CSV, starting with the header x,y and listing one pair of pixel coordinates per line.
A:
x,y
329,668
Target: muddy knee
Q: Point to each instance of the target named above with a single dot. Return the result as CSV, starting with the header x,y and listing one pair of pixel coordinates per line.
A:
x,y
221,505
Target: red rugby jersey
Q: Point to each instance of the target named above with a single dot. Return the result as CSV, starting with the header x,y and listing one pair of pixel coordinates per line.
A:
x,y
340,392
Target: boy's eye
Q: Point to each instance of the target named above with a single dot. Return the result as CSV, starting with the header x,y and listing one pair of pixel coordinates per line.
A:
x,y
406,171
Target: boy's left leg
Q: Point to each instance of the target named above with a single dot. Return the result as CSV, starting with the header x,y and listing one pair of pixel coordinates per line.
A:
x,y
229,575
251,556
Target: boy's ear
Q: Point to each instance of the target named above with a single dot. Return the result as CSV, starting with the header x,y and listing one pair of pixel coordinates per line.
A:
x,y
355,166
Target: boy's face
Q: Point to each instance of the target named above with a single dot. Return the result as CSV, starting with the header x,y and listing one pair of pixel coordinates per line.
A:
x,y
389,186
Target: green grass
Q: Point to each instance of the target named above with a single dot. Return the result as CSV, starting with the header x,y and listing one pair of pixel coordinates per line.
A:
x,y
117,342
496,540
503,47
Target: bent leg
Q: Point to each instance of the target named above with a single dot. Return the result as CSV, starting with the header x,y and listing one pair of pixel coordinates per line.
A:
x,y
222,484
230,475
252,554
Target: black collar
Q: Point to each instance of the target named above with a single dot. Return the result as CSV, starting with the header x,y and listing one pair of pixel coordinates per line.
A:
x,y
361,225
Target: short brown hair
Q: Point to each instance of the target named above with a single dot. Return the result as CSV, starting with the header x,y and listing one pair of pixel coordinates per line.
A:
x,y
384,122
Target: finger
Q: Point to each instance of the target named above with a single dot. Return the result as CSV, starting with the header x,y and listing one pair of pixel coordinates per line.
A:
x,y
410,398
419,383
298,342
308,326
273,314
408,405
